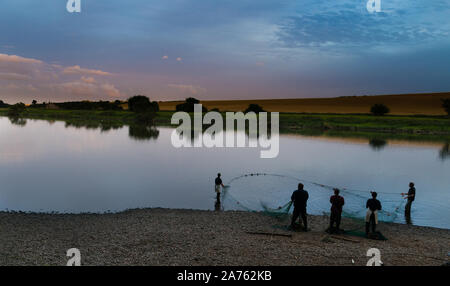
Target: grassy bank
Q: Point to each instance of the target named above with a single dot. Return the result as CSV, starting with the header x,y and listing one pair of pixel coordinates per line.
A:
x,y
351,125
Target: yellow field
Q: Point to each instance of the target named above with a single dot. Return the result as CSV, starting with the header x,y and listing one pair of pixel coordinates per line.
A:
x,y
404,104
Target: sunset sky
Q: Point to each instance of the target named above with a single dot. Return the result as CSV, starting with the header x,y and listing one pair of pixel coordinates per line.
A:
x,y
216,49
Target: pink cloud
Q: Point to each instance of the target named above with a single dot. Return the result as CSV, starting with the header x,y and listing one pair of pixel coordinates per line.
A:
x,y
189,89
17,59
88,79
86,90
13,76
78,70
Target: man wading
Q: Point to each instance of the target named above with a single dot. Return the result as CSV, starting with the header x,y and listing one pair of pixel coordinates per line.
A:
x,y
217,186
373,206
299,197
410,196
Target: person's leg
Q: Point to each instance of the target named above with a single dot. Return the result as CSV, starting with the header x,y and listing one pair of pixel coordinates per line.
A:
x,y
338,220
218,196
408,208
331,220
295,215
305,219
372,222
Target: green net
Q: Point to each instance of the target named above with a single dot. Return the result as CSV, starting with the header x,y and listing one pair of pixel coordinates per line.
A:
x,y
270,194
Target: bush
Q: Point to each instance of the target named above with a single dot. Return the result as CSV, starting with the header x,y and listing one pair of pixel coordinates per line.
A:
x,y
140,103
83,105
16,110
379,109
188,105
446,105
3,105
255,108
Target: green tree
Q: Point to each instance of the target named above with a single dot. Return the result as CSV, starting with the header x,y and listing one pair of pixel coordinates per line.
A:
x,y
3,105
16,110
379,109
255,108
141,103
446,105
188,105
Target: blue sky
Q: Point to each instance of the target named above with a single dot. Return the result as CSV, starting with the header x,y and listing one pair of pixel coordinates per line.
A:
x,y
216,49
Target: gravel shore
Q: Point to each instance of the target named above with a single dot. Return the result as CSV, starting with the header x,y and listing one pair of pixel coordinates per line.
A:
x,y
193,237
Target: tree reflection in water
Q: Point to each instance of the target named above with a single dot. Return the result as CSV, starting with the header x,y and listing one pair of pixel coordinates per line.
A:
x,y
143,132
19,121
445,151
377,144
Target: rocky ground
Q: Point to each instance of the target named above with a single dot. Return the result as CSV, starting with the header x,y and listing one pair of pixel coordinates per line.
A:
x,y
191,237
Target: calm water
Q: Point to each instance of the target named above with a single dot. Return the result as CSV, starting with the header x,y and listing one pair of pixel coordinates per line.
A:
x,y
47,167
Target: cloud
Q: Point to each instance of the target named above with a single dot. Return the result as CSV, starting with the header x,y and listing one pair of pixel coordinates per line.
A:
x,y
26,78
88,79
78,70
348,24
85,90
4,58
188,89
179,59
165,57
13,76
110,90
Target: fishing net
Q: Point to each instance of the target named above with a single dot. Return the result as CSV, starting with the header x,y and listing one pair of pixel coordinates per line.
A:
x,y
271,193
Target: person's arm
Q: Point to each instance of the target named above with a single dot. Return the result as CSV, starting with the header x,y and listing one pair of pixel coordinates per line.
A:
x,y
367,204
379,206
293,197
343,201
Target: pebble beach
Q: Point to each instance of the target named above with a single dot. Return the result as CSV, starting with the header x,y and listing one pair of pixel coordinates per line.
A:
x,y
161,237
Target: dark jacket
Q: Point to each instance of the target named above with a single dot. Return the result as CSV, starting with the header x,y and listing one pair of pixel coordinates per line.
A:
x,y
411,194
300,198
373,204
336,203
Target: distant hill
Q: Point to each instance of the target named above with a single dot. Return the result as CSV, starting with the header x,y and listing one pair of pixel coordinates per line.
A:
x,y
401,104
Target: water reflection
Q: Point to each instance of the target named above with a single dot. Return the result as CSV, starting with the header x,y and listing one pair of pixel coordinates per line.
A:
x,y
103,126
444,153
51,166
143,132
377,144
19,121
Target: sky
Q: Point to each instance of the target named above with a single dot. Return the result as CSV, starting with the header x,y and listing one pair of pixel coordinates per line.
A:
x,y
221,49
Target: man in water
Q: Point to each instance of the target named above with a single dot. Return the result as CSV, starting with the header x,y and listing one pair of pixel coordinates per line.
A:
x,y
373,206
299,197
337,202
410,196
217,186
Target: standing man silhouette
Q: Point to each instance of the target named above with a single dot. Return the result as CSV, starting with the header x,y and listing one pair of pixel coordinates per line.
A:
x,y
218,184
300,197
410,196
337,202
